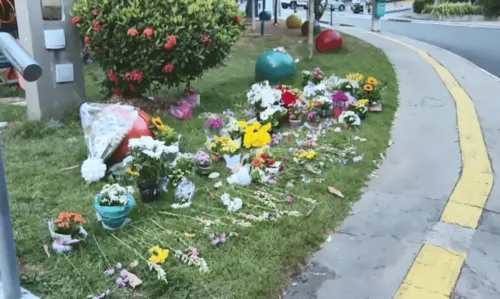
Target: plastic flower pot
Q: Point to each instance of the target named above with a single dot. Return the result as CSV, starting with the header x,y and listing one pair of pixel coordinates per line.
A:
x,y
149,191
114,216
204,169
295,123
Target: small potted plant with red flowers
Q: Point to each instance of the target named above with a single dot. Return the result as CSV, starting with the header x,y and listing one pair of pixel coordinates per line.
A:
x,y
67,232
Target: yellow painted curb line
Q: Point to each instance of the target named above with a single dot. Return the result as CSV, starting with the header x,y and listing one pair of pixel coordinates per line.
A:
x,y
469,196
435,270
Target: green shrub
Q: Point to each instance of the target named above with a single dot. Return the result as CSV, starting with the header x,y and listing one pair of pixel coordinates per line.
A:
x,y
453,9
143,45
491,8
418,5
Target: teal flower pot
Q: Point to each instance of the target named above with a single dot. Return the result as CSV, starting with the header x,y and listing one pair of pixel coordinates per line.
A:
x,y
114,216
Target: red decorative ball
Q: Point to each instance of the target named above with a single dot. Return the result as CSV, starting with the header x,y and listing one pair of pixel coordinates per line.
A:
x,y
138,129
328,40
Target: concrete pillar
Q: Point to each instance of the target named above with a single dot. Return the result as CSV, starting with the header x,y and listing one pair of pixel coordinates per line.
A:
x,y
61,87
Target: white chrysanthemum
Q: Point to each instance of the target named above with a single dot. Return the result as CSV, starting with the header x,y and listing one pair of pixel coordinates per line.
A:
x,y
93,169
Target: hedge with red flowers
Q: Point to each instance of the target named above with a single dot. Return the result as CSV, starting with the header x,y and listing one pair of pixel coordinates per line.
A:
x,y
143,45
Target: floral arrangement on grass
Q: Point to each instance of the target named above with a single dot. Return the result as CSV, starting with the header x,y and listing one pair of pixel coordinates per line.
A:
x,y
213,126
224,145
266,101
232,204
163,132
257,135
296,112
315,76
371,91
114,195
350,118
149,157
308,154
313,117
202,159
360,108
236,129
68,224
180,168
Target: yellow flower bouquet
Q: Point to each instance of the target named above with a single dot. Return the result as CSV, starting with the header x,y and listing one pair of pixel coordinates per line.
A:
x,y
163,132
257,135
223,145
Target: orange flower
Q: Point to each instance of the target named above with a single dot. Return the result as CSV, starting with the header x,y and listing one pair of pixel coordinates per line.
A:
x,y
372,81
368,87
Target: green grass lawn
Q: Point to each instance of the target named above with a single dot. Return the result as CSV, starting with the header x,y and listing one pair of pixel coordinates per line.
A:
x,y
257,264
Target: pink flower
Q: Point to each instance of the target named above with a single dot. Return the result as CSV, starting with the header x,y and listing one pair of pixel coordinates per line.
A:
x,y
237,19
112,76
169,68
97,26
95,12
131,87
148,32
76,20
133,32
172,42
137,75
206,38
290,200
86,40
128,76
117,91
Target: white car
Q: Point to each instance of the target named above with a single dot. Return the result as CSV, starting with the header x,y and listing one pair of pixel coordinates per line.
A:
x,y
332,4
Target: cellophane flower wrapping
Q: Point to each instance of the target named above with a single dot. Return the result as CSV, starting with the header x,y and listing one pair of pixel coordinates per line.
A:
x,y
64,243
104,127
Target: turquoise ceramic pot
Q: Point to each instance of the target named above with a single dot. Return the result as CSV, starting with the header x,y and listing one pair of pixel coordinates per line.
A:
x,y
114,217
275,66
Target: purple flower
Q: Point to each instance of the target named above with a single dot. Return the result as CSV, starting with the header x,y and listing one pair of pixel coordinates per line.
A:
x,y
124,274
313,116
109,272
215,123
120,282
340,96
194,254
290,200
278,215
228,113
277,138
118,266
215,242
266,215
222,238
202,158
212,236
357,159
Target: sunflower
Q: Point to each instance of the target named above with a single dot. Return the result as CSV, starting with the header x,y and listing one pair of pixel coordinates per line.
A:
x,y
372,81
157,122
132,172
368,87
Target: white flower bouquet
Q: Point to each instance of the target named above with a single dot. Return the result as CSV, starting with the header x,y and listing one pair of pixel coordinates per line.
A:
x,y
104,127
267,102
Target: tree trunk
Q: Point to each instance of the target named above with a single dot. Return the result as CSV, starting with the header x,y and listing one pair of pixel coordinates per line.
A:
x,y
311,28
275,12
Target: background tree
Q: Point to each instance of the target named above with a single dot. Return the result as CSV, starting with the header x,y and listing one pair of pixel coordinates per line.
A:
x,y
311,21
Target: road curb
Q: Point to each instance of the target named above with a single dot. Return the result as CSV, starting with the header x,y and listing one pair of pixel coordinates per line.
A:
x,y
400,20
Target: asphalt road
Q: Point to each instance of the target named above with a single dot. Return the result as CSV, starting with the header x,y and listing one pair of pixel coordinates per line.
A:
x,y
477,44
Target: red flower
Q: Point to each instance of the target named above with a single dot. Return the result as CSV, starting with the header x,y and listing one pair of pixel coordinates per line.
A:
x,y
281,87
76,20
95,12
237,19
148,33
172,42
169,68
96,25
131,87
257,163
206,38
137,75
288,98
289,139
132,32
271,162
112,76
86,40
117,91
264,157
128,76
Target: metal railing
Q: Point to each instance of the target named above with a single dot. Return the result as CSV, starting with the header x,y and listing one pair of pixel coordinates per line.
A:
x,y
27,67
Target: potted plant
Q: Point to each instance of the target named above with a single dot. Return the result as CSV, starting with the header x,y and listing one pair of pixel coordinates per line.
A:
x,y
113,204
371,91
313,119
203,163
180,168
223,146
340,102
213,127
327,108
360,108
295,115
163,132
67,232
149,160
349,119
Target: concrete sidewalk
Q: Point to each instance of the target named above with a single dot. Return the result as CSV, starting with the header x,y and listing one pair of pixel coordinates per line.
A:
x,y
415,232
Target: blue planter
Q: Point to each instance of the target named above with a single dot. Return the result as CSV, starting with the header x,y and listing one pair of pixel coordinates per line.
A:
x,y
113,217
